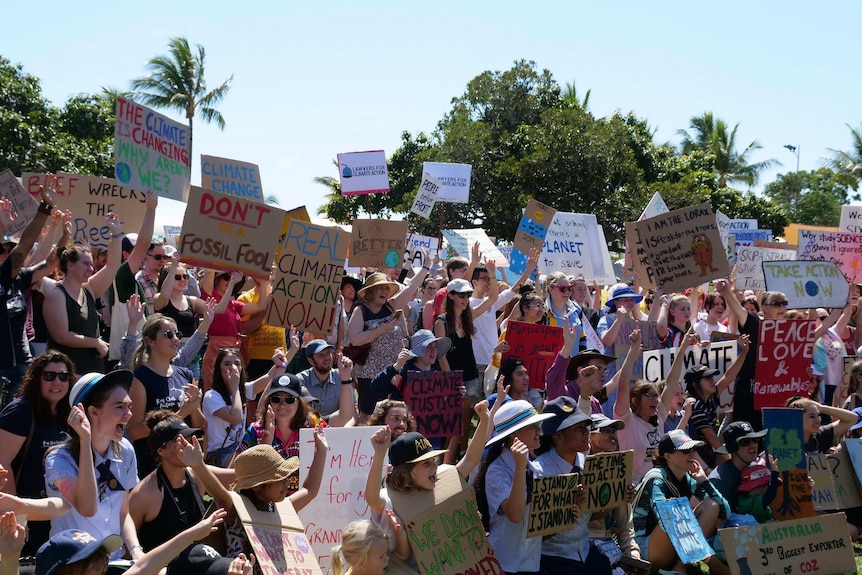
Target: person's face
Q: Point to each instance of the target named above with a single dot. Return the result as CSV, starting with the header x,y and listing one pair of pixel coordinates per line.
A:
x,y
535,311
101,259
181,279
348,291
424,474
220,284
678,398
457,273
625,303
272,492
599,382
322,361
520,380
576,438
681,312
604,440
430,289
748,450
378,558
775,307
396,420
718,308
167,340
561,291
381,294
682,460
482,281
647,405
56,390
81,269
231,368
855,292
749,305
111,419
707,387
460,300
430,355
580,292
811,420
530,435
283,405
154,260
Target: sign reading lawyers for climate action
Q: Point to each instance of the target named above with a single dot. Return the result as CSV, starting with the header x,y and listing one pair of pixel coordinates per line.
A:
x,y
536,345
455,180
606,477
812,545
434,398
377,243
363,173
231,177
807,283
227,233
683,530
151,151
552,504
308,278
22,204
784,351
679,249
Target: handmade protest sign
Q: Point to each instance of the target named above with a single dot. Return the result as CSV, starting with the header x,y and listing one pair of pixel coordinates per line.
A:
x,y
851,219
812,545
536,345
835,483
151,151
655,207
363,173
426,196
794,498
172,231
231,177
678,249
748,237
575,244
531,233
749,265
717,355
807,283
845,249
552,504
606,477
683,530
454,180
228,233
785,440
737,225
461,241
434,398
784,352
90,199
277,538
300,214
342,489
308,278
854,450
22,203
414,245
377,243
843,390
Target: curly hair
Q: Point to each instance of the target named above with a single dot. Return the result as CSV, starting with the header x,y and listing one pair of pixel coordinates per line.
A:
x,y
31,387
381,410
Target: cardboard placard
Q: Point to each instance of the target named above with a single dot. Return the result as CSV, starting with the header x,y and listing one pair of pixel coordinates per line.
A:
x,y
278,539
835,483
854,450
22,203
843,248
461,241
784,351
606,478
413,249
454,179
749,265
774,245
575,244
434,398
151,151
308,278
231,177
684,531
679,249
228,233
843,391
531,233
300,214
363,173
536,345
426,196
794,497
342,494
723,223
813,545
377,243
785,440
851,219
655,207
90,199
807,284
717,355
552,504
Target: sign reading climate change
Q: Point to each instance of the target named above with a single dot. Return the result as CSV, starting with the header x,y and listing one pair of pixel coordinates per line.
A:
x,y
363,173
151,151
231,177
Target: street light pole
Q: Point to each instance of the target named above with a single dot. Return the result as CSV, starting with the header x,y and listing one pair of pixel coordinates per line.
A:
x,y
795,150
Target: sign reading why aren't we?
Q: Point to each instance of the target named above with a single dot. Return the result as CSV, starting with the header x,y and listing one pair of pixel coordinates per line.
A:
x,y
363,173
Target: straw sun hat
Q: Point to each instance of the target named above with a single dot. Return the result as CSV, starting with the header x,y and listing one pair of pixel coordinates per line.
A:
x,y
262,464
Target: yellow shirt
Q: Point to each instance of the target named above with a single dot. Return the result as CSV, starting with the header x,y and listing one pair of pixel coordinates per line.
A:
x,y
263,342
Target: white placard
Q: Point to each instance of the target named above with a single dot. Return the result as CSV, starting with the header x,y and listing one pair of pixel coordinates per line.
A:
x,y
415,243
736,225
575,245
426,196
655,207
808,284
717,355
749,265
363,173
455,180
851,219
462,240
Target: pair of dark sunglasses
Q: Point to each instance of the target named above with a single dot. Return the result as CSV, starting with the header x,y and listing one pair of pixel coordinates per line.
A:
x,y
464,295
52,375
276,399
171,334
181,277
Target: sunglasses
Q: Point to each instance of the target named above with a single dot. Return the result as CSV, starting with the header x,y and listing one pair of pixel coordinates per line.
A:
x,y
823,317
778,304
158,257
564,289
686,451
464,295
181,277
276,399
609,430
171,334
52,375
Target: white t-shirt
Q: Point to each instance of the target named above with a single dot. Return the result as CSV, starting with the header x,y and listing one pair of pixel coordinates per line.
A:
x,y
485,338
220,433
703,329
643,437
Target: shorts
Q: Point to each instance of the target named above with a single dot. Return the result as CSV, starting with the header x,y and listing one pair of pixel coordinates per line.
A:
x,y
474,388
643,543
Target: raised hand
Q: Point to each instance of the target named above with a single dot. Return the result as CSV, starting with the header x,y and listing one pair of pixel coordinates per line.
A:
x,y
320,437
78,421
8,216
209,524
520,452
190,452
134,309
381,440
481,410
345,366
12,535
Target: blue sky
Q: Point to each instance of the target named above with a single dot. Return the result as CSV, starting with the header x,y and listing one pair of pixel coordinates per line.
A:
x,y
313,81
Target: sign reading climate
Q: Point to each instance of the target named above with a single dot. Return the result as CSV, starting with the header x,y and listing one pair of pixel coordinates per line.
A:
x,y
231,177
363,173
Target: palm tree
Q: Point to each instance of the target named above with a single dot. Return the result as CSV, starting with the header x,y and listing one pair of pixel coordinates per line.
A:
x,y
849,163
176,82
570,95
712,136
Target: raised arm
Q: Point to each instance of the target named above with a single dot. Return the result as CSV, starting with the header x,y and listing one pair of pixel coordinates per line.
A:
x,y
145,233
346,414
100,281
403,297
674,375
28,237
309,489
621,404
164,295
473,456
381,440
731,373
725,290
493,291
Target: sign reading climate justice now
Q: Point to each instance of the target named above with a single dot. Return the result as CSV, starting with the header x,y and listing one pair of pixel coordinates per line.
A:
x,y
90,199
784,352
151,151
308,278
807,284
454,180
845,249
231,177
434,398
22,204
552,504
363,173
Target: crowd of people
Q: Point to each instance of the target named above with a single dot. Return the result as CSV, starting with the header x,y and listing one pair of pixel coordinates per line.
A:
x,y
137,389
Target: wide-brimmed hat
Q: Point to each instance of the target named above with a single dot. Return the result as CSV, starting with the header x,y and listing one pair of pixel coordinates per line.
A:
x,y
677,440
564,413
735,432
161,434
262,464
459,286
423,338
71,546
412,447
697,372
378,279
582,358
622,290
601,421
88,382
515,415
350,280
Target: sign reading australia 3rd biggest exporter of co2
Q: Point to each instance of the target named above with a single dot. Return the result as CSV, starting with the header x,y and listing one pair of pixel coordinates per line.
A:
x,y
363,173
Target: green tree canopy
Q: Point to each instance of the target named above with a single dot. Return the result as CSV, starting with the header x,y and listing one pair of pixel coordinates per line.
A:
x,y
813,197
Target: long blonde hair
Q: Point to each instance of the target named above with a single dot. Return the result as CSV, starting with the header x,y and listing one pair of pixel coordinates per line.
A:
x,y
356,543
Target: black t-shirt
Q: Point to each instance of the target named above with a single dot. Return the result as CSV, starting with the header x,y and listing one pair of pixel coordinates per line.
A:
x,y
13,315
16,418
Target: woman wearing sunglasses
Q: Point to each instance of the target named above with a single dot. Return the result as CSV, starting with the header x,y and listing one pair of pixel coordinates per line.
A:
x,y
561,310
159,384
171,300
29,425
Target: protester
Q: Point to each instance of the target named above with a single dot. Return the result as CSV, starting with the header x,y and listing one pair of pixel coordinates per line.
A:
x,y
330,381
395,415
364,548
350,286
674,319
424,353
560,309
715,308
829,353
742,443
821,438
172,301
854,389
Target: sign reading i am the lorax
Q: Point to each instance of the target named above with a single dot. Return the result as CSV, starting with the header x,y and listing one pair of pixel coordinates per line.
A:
x,y
817,545
22,204
308,277
363,173
434,398
552,504
231,177
536,345
151,151
227,233
90,199
606,478
784,352
377,243
807,283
